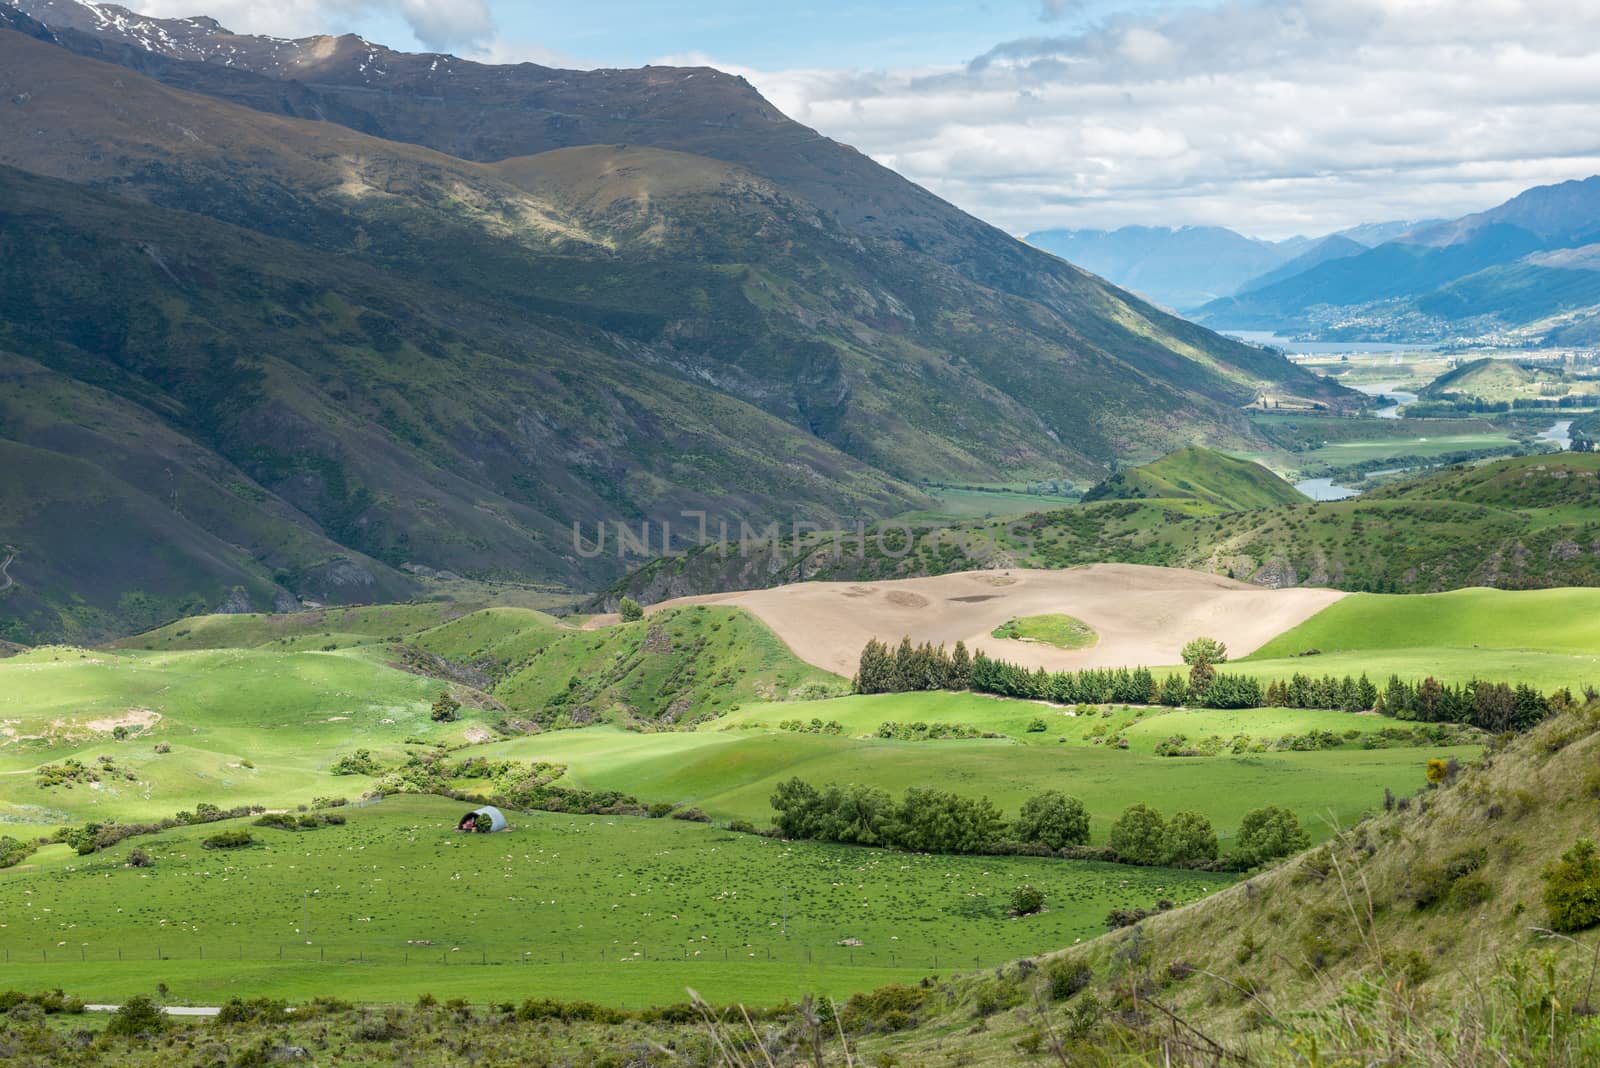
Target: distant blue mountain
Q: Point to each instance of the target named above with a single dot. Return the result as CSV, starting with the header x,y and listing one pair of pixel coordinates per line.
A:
x,y
1179,268
1489,271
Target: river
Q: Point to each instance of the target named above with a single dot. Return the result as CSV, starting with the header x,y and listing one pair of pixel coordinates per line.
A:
x,y
1560,433
1324,489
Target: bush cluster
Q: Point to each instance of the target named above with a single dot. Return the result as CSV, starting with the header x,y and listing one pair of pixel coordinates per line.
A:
x,y
815,726
234,839
92,837
72,771
925,820
919,731
305,821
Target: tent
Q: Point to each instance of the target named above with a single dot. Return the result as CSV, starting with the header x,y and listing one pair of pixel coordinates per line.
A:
x,y
469,822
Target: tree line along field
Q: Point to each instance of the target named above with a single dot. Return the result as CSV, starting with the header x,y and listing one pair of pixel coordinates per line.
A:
x,y
263,725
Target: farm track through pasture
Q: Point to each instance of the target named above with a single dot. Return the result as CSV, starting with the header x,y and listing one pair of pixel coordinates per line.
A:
x,y
6,581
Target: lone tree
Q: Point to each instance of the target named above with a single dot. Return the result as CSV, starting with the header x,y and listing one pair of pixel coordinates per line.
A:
x,y
446,709
631,610
1208,650
1202,655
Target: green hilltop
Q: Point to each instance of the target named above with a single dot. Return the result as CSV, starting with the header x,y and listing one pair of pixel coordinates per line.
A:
x,y
1487,379
1201,474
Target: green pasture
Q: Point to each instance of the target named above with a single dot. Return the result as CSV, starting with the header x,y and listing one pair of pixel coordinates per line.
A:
x,y
1546,638
609,908
732,774
288,714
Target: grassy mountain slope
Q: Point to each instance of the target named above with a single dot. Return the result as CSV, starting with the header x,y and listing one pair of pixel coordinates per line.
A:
x,y
1201,474
1412,938
481,112
422,360
671,667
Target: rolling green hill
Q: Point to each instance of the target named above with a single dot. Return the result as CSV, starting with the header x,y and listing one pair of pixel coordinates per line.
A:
x,y
1201,474
1556,621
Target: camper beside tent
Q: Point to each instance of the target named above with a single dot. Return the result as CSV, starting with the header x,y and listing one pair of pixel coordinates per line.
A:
x,y
485,820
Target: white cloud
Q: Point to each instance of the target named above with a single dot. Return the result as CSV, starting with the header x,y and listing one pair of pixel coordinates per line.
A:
x,y
1273,116
437,24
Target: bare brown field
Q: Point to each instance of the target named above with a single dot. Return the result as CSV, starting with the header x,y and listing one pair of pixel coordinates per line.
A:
x,y
1142,614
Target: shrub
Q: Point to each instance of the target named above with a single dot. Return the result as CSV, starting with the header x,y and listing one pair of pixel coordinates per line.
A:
x,y
138,858
1037,726
1053,819
1269,833
139,1015
888,1008
1429,884
236,839
630,610
1027,900
693,815
1572,888
1437,771
360,762
1139,835
1067,978
659,809
446,709
253,1010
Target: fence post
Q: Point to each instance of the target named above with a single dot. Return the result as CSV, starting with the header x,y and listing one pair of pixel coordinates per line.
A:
x,y
202,952
83,954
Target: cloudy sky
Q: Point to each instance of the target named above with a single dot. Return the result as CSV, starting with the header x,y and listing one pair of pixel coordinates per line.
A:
x,y
1275,117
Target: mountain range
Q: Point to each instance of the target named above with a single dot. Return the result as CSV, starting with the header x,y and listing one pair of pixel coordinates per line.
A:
x,y
1527,270
288,321
1189,266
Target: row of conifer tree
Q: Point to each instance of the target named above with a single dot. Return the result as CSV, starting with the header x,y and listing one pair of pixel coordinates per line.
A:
x,y
1491,706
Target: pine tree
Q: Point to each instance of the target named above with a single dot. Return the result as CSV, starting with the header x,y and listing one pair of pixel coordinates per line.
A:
x,y
960,668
